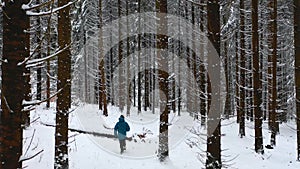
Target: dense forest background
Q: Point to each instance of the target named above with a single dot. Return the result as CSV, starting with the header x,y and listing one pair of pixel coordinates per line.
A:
x,y
155,56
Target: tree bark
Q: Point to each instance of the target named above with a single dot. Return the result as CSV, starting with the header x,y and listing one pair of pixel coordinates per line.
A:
x,y
139,84
274,126
257,86
63,84
121,84
39,55
15,50
48,61
128,91
203,82
213,153
242,71
162,54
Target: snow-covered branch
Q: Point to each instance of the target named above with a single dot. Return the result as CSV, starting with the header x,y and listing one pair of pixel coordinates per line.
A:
x,y
33,62
30,13
28,7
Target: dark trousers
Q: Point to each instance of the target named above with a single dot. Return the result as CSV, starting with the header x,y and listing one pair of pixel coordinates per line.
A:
x,y
122,145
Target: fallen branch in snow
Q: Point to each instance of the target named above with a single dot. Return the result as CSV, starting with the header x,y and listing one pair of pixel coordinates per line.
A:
x,y
30,142
89,132
31,157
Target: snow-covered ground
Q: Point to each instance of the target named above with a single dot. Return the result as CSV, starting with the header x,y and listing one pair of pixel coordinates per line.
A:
x,y
90,152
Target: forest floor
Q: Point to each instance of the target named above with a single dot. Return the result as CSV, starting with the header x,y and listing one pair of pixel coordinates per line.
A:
x,y
186,149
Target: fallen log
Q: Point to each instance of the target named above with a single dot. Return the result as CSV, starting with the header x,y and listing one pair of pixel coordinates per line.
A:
x,y
89,132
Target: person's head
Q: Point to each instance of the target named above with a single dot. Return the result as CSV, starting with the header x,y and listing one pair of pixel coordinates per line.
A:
x,y
121,118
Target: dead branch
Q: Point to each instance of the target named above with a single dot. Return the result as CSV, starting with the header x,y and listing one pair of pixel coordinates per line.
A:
x,y
31,157
89,132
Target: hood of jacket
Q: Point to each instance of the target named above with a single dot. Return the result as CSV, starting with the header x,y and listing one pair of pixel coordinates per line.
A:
x,y
121,119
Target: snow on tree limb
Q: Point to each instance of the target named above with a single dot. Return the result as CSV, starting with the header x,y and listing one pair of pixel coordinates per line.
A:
x,y
28,7
31,63
30,13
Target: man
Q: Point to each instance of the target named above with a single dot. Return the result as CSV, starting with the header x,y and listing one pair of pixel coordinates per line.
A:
x,y
120,131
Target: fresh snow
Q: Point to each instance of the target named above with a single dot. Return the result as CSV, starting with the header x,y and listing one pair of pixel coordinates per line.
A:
x,y
90,152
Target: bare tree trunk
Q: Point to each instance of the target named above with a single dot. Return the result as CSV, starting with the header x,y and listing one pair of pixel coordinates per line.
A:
x,y
203,82
237,77
128,91
179,67
187,53
102,83
111,81
162,54
194,66
139,85
121,83
256,80
63,84
15,50
48,61
85,62
241,109
227,108
274,126
213,160
39,55
297,69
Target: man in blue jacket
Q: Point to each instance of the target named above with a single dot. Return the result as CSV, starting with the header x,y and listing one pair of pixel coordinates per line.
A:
x,y
120,131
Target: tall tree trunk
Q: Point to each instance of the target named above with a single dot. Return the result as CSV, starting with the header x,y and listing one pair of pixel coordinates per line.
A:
x,y
63,84
214,140
179,67
103,87
139,84
121,83
48,61
111,81
237,77
15,50
194,66
297,69
39,55
203,82
153,83
274,126
128,91
187,53
227,108
162,55
257,86
102,83
85,62
242,84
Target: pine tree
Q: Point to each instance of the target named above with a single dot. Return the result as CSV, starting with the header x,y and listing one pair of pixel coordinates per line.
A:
x,y
102,79
241,109
39,55
139,79
121,84
63,103
213,160
273,46
15,50
256,80
162,45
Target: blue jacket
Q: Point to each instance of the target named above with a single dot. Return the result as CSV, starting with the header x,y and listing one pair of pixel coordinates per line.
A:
x,y
121,128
